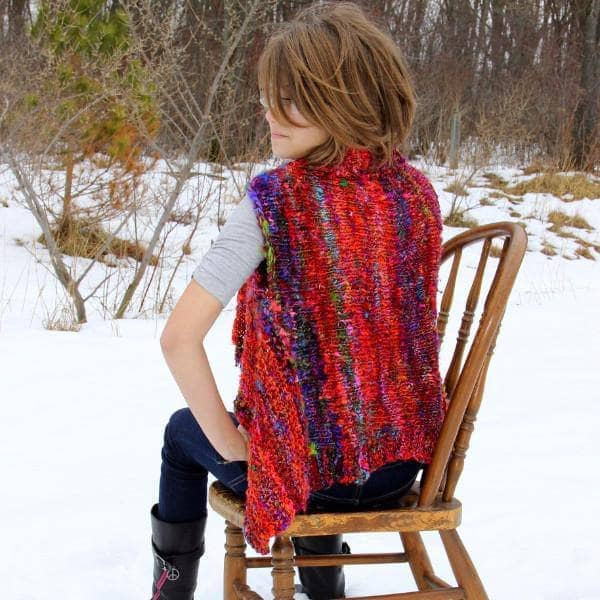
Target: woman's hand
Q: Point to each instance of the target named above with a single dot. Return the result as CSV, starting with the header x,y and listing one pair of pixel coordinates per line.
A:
x,y
245,441
243,432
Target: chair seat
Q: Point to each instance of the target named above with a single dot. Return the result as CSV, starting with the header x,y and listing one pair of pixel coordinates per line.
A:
x,y
406,516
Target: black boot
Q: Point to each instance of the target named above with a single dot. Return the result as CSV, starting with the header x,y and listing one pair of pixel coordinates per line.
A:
x,y
177,548
321,583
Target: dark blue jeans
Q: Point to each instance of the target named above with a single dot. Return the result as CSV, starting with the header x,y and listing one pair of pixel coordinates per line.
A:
x,y
188,457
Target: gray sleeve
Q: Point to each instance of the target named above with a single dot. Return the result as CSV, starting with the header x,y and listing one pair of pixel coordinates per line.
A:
x,y
234,254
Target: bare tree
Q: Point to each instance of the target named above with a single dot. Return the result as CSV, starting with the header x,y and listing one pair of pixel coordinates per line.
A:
x,y
586,115
181,174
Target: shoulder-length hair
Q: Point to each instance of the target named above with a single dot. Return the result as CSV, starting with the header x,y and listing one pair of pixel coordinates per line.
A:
x,y
345,74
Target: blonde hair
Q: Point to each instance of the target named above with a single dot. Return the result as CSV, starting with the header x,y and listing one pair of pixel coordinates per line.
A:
x,y
345,75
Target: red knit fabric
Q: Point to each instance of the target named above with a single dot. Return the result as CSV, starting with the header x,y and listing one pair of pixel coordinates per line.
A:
x,y
335,332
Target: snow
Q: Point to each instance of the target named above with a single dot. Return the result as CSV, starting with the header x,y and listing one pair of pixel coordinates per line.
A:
x,y
84,413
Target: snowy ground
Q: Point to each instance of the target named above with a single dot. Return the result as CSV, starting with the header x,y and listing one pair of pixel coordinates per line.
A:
x,y
84,414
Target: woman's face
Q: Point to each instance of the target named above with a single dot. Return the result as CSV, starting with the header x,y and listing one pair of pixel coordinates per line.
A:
x,y
289,141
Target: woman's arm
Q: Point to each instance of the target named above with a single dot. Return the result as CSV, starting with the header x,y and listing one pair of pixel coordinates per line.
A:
x,y
182,344
232,257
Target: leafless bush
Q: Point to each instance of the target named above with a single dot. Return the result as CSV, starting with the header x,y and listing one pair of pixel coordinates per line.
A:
x,y
32,143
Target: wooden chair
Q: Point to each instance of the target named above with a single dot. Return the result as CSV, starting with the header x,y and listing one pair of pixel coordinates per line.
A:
x,y
430,505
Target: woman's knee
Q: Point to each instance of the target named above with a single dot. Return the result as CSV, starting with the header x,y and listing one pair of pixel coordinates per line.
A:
x,y
181,427
183,434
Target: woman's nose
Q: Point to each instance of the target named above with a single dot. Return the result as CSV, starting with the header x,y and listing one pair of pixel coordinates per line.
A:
x,y
269,116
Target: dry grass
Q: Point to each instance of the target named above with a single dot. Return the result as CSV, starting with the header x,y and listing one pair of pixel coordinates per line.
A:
x,y
495,181
584,247
456,187
586,244
500,184
496,251
536,166
460,219
560,232
63,319
575,187
548,249
560,219
181,217
514,213
487,202
585,252
78,237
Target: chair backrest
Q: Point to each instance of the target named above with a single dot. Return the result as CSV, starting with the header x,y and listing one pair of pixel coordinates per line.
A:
x,y
464,379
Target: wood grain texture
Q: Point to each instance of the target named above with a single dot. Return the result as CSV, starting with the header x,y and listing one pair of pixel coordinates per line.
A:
x,y
462,566
418,559
441,515
282,553
234,568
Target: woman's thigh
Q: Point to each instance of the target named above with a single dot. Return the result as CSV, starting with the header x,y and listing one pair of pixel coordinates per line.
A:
x,y
389,483
339,496
384,486
189,448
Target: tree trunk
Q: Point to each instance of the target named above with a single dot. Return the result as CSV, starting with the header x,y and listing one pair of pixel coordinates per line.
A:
x,y
586,116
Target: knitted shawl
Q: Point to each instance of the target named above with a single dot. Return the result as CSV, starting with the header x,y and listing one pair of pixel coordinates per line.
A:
x,y
335,332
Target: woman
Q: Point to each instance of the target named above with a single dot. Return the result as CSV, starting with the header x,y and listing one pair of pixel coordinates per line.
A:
x,y
334,257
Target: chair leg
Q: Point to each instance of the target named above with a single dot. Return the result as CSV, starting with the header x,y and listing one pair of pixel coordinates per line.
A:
x,y
462,565
418,559
282,559
235,560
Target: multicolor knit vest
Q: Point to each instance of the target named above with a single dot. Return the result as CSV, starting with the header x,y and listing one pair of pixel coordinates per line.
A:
x,y
335,332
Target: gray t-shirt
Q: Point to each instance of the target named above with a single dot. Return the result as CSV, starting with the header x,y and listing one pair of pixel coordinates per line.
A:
x,y
234,254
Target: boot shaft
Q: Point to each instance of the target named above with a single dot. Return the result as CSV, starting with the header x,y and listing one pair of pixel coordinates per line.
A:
x,y
177,548
321,583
